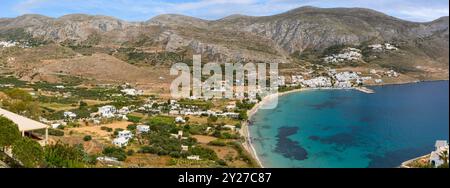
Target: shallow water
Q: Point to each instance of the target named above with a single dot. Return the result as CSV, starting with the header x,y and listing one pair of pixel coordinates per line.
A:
x,y
348,128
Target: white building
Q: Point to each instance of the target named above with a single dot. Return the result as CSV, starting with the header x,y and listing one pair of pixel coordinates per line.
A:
x,y
70,115
143,128
193,157
7,44
132,92
55,125
107,111
125,134
120,142
184,148
231,127
317,82
180,119
441,146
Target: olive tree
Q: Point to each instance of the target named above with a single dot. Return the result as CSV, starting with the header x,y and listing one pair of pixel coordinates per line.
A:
x,y
28,152
9,132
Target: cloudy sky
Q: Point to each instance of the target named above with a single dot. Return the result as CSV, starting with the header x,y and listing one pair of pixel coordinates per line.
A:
x,y
139,10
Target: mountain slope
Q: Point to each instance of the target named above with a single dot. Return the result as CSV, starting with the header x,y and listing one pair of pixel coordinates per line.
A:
x,y
281,38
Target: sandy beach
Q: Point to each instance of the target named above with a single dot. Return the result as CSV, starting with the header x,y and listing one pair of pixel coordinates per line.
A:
x,y
245,132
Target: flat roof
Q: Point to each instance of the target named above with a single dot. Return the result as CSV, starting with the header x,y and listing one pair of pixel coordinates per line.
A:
x,y
24,123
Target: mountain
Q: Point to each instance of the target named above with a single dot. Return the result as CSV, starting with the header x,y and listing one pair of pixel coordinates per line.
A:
x,y
281,38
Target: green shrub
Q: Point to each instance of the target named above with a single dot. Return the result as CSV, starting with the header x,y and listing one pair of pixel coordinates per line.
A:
x,y
28,152
217,142
134,119
87,138
65,156
115,152
107,129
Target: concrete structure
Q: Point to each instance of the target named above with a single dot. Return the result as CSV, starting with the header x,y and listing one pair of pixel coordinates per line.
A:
x,y
107,111
193,157
26,126
441,147
143,129
125,134
120,142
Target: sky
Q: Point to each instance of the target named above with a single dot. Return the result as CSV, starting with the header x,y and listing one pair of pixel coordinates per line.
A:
x,y
142,10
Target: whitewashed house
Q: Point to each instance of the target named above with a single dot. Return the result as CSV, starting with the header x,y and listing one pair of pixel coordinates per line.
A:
x,y
193,157
107,111
120,142
70,115
132,92
143,129
184,148
180,119
125,134
230,127
441,147
55,125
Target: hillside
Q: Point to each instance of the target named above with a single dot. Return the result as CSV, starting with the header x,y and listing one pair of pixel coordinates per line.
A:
x,y
301,36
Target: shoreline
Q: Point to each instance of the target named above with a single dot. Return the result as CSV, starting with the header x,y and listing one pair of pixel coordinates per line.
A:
x,y
245,131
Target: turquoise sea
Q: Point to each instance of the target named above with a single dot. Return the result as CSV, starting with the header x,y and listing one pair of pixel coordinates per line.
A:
x,y
348,128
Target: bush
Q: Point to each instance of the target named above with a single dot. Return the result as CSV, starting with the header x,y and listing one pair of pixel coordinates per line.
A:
x,y
131,127
107,129
64,156
204,153
221,162
217,143
28,152
115,152
133,119
9,132
87,138
52,132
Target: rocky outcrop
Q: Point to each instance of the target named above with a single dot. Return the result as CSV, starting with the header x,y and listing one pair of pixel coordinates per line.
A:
x,y
239,37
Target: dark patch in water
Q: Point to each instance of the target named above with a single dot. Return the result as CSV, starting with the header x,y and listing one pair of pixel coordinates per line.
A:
x,y
315,138
341,98
287,147
265,127
324,105
341,140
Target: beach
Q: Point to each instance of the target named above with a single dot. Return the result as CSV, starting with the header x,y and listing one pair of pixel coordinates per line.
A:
x,y
361,134
245,132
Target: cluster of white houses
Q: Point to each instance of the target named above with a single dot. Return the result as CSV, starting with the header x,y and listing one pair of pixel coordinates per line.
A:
x,y
347,54
334,79
382,47
8,44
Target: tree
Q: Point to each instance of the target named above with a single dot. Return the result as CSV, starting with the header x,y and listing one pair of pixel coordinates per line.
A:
x,y
64,156
9,132
28,152
83,104
115,152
